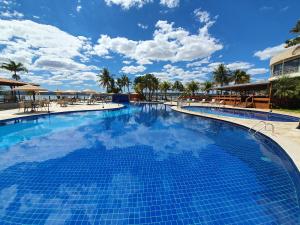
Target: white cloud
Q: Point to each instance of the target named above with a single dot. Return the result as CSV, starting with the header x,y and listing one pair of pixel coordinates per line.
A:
x,y
45,50
11,14
239,66
171,73
79,7
144,27
199,62
269,52
127,4
127,62
257,71
133,69
203,16
168,44
170,3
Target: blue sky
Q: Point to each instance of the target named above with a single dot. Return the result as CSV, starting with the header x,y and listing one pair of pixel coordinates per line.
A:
x,y
65,44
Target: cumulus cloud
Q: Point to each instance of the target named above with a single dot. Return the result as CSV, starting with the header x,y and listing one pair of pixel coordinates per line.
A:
x,y
168,44
127,4
171,72
269,52
133,69
257,71
11,14
170,3
239,66
44,49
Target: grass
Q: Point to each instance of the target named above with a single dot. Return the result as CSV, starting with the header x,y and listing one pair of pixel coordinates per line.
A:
x,y
289,110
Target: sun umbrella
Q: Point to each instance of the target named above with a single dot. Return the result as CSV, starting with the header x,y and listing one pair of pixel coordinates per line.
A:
x,y
29,87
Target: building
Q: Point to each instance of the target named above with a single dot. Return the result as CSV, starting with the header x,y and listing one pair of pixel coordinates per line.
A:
x,y
287,63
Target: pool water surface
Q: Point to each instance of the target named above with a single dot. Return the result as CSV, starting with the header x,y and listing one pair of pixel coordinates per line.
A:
x,y
144,164
243,114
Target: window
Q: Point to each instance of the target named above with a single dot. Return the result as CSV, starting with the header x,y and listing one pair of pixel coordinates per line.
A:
x,y
291,66
277,69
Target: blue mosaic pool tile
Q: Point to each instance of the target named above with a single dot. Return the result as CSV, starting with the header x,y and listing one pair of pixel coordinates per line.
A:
x,y
143,165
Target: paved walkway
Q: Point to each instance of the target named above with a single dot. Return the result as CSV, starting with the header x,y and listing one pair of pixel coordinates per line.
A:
x,y
55,108
286,134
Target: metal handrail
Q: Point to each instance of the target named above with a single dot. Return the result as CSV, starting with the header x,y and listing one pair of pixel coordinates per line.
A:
x,y
266,124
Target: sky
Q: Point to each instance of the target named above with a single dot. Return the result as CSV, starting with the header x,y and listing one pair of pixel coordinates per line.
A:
x,y
65,44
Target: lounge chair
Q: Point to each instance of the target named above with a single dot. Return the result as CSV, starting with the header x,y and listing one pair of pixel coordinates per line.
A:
x,y
213,101
62,103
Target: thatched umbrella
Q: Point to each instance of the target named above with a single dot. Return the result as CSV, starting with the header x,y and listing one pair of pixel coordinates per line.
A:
x,y
31,88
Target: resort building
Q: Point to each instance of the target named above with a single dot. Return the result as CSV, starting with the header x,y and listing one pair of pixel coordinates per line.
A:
x,y
286,63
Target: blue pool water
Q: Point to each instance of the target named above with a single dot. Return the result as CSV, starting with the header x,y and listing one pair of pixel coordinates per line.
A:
x,y
244,114
142,165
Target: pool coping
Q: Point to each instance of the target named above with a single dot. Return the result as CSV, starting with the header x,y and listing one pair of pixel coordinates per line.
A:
x,y
289,146
34,115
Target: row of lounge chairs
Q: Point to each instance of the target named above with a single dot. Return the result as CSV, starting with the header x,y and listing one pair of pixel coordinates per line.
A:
x,y
71,101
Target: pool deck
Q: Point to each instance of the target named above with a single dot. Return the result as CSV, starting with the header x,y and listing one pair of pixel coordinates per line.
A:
x,y
285,133
55,108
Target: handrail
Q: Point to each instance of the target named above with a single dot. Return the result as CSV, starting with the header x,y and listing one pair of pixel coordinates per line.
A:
x,y
251,128
248,99
266,124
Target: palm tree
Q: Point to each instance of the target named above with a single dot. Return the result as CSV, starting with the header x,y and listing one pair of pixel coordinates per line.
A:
x,y
240,77
14,68
120,84
165,86
294,41
105,79
206,86
221,75
192,87
178,86
126,81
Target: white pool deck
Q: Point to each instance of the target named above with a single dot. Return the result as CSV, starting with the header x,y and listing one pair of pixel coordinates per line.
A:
x,y
285,133
55,108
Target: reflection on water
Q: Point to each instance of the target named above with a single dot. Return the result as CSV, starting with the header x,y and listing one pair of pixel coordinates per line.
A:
x,y
142,164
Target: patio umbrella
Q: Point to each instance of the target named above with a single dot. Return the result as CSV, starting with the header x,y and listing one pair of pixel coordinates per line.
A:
x,y
31,88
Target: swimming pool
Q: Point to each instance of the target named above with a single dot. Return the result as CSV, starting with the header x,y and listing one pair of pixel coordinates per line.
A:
x,y
143,164
244,114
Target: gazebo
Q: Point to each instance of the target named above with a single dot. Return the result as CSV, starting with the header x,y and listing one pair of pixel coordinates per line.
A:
x,y
255,95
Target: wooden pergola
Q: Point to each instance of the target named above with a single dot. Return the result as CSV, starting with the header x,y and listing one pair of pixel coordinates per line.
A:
x,y
245,95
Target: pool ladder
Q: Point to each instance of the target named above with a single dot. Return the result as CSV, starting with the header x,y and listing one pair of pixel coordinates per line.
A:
x,y
265,127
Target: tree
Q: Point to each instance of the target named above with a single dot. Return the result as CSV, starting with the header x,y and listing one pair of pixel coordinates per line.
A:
x,y
146,85
206,86
178,86
240,77
120,84
285,87
126,81
105,79
294,41
221,75
165,86
14,68
192,87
